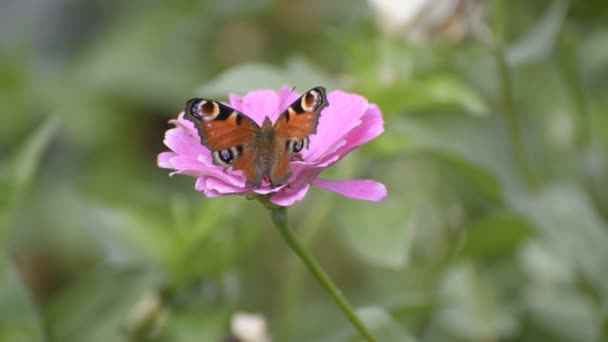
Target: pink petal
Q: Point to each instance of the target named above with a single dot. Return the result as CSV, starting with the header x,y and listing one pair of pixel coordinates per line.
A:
x,y
222,187
257,104
163,159
288,197
201,186
183,143
371,126
340,117
357,189
235,101
287,96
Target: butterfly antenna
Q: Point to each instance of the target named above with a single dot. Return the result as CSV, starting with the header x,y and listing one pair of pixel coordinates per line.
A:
x,y
283,102
245,105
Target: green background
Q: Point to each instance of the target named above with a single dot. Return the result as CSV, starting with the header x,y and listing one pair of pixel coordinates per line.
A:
x,y
495,156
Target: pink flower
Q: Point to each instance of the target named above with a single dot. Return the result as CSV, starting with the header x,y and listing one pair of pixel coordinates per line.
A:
x,y
347,123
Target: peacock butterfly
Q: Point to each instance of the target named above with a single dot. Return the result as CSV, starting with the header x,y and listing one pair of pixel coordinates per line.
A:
x,y
261,152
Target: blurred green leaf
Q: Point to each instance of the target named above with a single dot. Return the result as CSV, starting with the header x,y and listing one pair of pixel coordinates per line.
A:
x,y
436,92
19,318
495,235
538,43
563,314
247,77
383,326
592,53
96,307
27,158
469,307
393,142
201,324
564,215
380,233
17,174
482,179
451,90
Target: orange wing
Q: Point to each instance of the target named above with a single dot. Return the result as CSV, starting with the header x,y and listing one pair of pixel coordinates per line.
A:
x,y
301,118
226,132
219,126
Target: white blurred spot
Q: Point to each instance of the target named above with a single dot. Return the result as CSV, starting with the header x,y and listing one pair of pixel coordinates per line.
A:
x,y
249,327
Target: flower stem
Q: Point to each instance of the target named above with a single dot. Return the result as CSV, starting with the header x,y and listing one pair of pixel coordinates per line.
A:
x,y
279,217
292,286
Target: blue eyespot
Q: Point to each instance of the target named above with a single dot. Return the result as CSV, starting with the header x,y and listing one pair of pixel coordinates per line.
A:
x,y
297,146
226,156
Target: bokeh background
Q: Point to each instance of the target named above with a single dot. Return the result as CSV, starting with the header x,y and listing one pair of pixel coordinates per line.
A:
x,y
495,155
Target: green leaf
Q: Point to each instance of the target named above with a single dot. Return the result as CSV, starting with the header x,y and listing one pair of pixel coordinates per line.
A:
x,y
28,157
450,90
565,217
201,324
480,178
19,319
18,174
495,235
437,92
539,42
380,233
252,76
469,308
592,53
563,313
383,326
96,307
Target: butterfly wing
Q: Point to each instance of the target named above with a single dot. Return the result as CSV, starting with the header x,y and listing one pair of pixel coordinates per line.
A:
x,y
228,133
301,118
293,127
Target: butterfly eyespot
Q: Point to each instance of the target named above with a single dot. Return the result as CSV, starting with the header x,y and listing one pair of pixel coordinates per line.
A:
x,y
311,101
195,110
226,156
297,146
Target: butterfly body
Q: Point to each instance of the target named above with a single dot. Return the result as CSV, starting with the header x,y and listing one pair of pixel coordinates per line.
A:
x,y
260,152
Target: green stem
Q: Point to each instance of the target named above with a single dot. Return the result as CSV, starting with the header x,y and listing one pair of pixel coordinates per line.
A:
x,y
292,287
279,217
511,117
573,81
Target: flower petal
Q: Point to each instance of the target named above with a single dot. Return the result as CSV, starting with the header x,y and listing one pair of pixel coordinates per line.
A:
x,y
288,197
371,126
361,189
340,117
180,141
221,187
257,104
287,96
163,159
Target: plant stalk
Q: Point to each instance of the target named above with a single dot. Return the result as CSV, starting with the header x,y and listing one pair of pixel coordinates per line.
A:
x,y
508,103
279,217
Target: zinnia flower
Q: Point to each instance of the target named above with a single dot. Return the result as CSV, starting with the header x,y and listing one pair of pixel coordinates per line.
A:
x,y
347,123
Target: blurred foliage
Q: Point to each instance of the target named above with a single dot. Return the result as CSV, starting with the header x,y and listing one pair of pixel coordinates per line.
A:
x,y
99,244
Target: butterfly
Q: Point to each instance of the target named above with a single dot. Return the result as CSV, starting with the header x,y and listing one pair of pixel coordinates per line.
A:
x,y
260,152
